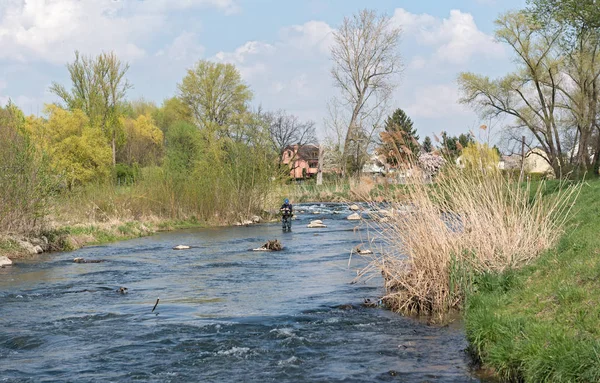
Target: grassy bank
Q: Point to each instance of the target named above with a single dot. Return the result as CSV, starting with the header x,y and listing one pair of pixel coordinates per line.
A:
x,y
365,189
542,323
68,238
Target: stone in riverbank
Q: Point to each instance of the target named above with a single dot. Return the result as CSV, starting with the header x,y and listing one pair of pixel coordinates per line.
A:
x,y
4,261
354,207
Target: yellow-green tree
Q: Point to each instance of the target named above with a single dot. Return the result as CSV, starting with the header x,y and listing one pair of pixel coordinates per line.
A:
x,y
215,94
143,141
79,153
480,158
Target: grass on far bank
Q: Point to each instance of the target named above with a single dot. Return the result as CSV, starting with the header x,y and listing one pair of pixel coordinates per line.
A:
x,y
542,323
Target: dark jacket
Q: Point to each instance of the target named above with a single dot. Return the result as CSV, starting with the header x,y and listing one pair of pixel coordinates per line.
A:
x,y
286,209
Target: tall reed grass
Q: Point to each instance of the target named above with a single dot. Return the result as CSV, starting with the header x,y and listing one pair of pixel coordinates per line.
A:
x,y
464,224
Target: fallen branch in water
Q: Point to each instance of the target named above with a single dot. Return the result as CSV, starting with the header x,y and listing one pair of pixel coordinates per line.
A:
x,y
156,304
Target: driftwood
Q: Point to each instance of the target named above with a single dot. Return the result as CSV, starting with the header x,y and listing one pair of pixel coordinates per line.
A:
x,y
83,260
273,245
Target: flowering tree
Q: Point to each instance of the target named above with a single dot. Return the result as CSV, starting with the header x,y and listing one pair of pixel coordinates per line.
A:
x,y
431,163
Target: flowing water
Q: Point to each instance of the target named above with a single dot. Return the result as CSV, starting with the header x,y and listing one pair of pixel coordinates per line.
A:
x,y
225,314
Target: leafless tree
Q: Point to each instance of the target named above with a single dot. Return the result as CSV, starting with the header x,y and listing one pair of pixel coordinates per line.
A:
x,y
286,130
365,62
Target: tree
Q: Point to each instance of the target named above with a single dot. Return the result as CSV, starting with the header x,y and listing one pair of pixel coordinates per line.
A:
x,y
365,60
580,47
399,140
530,95
286,130
172,111
143,141
215,94
25,182
577,14
427,145
480,158
98,89
78,152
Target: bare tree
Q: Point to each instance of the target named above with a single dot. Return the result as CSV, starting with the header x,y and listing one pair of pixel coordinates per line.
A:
x,y
366,60
530,95
287,130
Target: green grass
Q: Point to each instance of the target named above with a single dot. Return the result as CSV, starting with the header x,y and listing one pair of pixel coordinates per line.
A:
x,y
542,323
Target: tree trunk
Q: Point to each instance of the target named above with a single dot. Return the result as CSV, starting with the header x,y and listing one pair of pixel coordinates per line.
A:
x,y
114,148
320,166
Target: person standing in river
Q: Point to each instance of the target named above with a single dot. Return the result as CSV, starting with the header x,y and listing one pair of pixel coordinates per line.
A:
x,y
286,215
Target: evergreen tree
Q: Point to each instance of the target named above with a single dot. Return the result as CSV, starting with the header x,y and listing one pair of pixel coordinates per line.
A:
x,y
427,145
399,140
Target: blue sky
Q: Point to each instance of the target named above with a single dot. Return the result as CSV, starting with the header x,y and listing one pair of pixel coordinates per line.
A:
x,y
280,47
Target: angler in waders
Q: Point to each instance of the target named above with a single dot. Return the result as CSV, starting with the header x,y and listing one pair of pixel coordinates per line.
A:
x,y
286,215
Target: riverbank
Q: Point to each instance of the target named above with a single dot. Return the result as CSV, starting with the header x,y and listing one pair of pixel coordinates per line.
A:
x,y
73,237
541,323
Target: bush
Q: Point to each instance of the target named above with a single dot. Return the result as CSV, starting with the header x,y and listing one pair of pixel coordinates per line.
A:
x,y
25,183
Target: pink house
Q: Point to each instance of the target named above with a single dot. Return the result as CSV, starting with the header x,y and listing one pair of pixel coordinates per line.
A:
x,y
303,160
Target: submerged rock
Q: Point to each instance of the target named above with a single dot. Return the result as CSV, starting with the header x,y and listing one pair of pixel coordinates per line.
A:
x,y
83,260
5,261
354,217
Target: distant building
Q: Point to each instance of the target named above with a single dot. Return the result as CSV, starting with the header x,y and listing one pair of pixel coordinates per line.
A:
x,y
303,160
536,161
510,162
376,165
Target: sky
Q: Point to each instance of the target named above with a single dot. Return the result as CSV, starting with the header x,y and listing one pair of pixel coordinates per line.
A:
x,y
281,49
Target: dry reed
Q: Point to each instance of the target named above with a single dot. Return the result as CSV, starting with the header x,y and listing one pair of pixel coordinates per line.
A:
x,y
464,224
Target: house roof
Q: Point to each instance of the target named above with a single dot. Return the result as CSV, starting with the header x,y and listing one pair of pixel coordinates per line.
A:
x,y
305,152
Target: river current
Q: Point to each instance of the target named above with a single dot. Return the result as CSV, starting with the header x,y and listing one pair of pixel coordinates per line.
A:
x,y
225,314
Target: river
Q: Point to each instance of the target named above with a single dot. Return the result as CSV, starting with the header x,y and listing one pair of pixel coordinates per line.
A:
x,y
225,314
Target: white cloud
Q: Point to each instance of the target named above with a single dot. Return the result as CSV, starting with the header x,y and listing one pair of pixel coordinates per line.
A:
x,y
436,101
290,73
456,39
50,30
184,47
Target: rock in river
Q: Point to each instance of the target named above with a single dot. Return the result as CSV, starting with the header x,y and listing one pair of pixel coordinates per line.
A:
x,y
5,261
354,207
354,217
316,224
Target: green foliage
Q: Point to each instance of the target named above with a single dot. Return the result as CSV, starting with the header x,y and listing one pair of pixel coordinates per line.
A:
x,y
453,146
143,141
78,152
25,183
98,89
540,323
480,158
399,140
577,14
215,94
427,145
173,110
